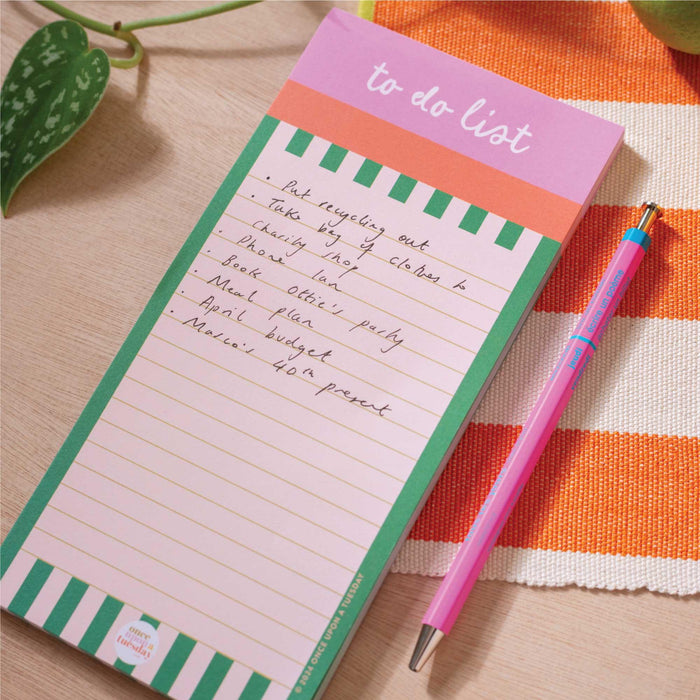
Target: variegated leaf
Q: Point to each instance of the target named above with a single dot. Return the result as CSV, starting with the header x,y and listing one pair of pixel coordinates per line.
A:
x,y
53,86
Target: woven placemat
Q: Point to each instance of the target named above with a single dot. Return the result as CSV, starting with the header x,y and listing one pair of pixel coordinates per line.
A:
x,y
615,500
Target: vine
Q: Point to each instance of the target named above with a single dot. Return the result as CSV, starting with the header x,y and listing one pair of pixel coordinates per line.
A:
x,y
124,31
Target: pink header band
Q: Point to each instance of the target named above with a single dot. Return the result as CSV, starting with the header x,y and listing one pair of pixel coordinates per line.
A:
x,y
465,108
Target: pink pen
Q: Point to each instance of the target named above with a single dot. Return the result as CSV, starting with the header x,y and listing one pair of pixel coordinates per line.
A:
x,y
538,428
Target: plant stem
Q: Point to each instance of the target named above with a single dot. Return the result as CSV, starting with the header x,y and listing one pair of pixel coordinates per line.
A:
x,y
124,31
135,44
187,16
80,19
102,28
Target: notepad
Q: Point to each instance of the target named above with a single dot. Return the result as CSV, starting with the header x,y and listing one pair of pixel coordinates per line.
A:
x,y
218,520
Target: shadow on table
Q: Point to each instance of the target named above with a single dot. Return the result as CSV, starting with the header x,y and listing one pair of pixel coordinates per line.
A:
x,y
115,150
459,659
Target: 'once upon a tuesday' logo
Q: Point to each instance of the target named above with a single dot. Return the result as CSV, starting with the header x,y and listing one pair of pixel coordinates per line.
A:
x,y
136,642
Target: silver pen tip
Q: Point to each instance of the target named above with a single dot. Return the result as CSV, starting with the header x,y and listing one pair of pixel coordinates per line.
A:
x,y
650,213
427,642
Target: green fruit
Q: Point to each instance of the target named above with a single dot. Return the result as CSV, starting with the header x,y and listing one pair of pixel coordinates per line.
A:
x,y
675,22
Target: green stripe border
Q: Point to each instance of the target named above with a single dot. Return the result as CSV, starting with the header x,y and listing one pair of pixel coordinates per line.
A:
x,y
367,173
100,625
65,607
255,687
173,662
31,587
509,235
299,142
165,289
438,202
473,218
402,188
212,678
334,157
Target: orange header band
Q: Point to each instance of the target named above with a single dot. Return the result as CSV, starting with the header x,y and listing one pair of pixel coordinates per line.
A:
x,y
417,157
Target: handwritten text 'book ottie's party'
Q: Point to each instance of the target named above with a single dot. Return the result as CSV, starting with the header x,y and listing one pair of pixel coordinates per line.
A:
x,y
219,518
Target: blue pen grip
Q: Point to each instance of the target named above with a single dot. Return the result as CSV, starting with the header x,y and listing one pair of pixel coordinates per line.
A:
x,y
636,235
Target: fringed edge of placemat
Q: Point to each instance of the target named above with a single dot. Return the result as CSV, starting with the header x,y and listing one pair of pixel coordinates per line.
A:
x,y
541,567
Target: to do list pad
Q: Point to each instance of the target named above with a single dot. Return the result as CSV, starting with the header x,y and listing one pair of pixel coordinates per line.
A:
x,y
219,518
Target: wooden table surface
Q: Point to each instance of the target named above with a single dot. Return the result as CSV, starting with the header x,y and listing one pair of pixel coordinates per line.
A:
x,y
89,236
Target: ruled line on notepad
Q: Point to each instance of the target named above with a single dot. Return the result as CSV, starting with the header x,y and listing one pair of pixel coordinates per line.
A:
x,y
423,253
364,381
335,341
316,386
276,503
340,537
354,350
274,420
239,543
266,388
375,281
158,590
340,317
369,502
245,461
270,473
252,464
345,293
182,544
198,494
375,257
253,437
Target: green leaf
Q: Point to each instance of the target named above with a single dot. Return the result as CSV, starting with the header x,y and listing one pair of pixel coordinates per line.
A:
x,y
53,86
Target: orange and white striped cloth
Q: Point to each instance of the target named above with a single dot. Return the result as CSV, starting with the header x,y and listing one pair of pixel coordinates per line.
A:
x,y
615,500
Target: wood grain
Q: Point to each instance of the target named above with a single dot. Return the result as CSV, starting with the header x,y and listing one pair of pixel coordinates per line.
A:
x,y
89,236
